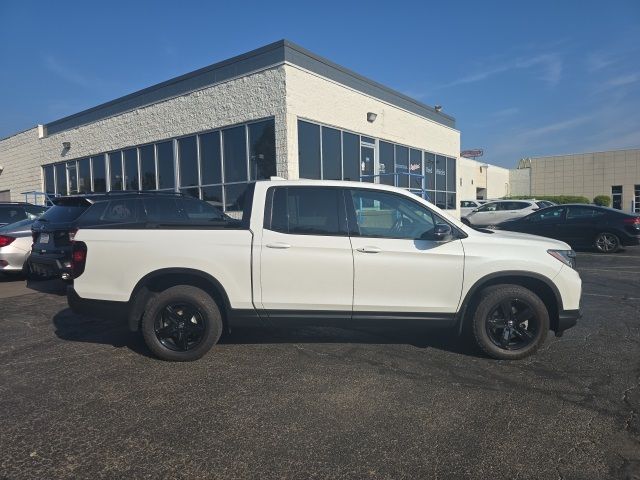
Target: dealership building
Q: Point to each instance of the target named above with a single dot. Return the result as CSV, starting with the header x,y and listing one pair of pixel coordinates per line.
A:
x,y
279,110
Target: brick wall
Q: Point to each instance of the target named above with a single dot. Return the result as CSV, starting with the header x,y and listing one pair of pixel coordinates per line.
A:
x,y
252,97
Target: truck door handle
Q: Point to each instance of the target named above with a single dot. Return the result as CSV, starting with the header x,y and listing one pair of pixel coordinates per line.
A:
x,y
278,245
369,249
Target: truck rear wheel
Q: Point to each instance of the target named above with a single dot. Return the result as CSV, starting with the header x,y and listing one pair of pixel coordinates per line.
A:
x,y
181,324
510,322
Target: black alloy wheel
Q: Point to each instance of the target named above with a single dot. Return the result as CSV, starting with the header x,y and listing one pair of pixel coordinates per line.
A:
x,y
180,327
512,324
181,323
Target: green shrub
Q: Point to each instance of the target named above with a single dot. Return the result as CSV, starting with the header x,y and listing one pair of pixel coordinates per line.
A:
x,y
602,200
559,199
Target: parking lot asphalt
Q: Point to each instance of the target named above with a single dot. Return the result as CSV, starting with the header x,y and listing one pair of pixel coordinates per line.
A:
x,y
83,398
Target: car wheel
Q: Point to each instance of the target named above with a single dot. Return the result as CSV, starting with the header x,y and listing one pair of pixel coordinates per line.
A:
x,y
510,322
181,324
607,242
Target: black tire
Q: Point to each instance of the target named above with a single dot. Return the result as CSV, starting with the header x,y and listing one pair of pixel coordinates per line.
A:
x,y
516,334
181,324
607,242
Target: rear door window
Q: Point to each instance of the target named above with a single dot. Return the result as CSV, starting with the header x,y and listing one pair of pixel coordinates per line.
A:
x,y
307,211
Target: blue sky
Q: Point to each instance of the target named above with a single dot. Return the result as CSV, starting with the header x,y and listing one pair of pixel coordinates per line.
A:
x,y
521,78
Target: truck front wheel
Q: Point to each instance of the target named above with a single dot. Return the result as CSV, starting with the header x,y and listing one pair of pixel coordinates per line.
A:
x,y
181,323
510,322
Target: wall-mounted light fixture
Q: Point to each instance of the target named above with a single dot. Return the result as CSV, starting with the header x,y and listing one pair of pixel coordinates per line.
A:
x,y
371,117
438,108
66,145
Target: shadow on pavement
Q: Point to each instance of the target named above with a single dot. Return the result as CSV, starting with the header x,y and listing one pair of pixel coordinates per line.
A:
x,y
78,328
53,286
114,332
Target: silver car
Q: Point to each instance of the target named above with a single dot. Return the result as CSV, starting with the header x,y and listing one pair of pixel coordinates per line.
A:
x,y
15,246
493,213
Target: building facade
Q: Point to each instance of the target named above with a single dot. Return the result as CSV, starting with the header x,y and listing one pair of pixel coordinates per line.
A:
x,y
278,110
482,181
613,173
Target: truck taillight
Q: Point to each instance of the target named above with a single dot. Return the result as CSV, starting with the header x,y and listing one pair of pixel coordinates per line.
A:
x,y
78,258
5,240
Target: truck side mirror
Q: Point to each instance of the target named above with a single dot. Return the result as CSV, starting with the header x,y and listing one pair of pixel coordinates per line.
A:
x,y
442,232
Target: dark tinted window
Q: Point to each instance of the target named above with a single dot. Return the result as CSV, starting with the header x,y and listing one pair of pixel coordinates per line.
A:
x,y
489,207
351,156
122,210
148,167
331,154
430,171
441,172
163,209
512,205
166,172
235,154
451,174
61,179
131,169
548,214
582,212
234,196
34,211
84,176
11,213
188,157
199,211
385,215
309,211
308,150
213,195
262,150
64,213
99,174
210,159
115,170
49,182
386,163
402,166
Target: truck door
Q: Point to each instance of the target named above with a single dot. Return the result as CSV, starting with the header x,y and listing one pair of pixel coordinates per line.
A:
x,y
306,262
399,269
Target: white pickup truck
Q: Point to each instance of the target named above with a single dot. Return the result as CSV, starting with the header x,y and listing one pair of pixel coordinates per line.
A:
x,y
322,253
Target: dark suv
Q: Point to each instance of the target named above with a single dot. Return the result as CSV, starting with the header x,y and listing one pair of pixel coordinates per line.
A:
x,y
11,212
54,232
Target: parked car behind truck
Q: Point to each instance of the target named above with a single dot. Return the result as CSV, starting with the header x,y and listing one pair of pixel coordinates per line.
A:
x,y
327,253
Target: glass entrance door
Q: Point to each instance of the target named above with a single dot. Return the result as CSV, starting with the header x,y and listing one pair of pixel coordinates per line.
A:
x,y
367,162
616,196
72,177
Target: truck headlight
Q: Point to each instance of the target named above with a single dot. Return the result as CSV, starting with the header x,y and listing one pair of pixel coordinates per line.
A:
x,y
568,257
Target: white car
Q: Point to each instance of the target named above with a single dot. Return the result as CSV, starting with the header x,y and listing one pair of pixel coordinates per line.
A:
x,y
467,205
496,212
326,253
15,247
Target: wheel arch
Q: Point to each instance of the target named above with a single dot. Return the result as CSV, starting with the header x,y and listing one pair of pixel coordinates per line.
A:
x,y
538,284
159,280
